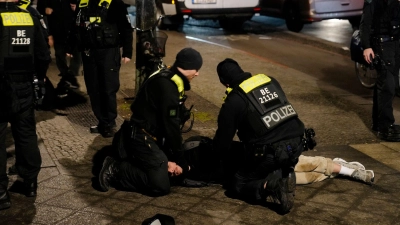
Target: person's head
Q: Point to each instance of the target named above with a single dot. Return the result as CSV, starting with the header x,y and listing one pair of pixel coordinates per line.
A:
x,y
230,73
188,62
174,170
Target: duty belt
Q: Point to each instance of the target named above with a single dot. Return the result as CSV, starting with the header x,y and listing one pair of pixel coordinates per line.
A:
x,y
385,38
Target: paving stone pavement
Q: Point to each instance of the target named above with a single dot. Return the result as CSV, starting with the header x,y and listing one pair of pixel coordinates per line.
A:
x,y
67,191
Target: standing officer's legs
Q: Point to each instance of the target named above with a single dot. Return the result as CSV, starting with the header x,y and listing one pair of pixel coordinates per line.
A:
x,y
75,62
4,196
109,67
27,154
384,91
3,157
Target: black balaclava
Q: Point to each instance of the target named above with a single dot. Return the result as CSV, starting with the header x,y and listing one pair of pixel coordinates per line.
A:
x,y
229,72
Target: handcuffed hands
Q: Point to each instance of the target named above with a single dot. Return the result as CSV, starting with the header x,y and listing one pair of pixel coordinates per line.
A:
x,y
193,183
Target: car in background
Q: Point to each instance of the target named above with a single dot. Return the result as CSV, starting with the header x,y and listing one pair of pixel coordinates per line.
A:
x,y
299,12
231,14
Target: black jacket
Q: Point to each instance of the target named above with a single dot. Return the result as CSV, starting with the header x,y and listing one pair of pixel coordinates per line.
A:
x,y
116,17
22,90
378,19
156,109
61,20
232,119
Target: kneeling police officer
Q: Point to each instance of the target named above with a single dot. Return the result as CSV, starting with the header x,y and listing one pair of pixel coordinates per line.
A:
x,y
22,46
271,132
151,141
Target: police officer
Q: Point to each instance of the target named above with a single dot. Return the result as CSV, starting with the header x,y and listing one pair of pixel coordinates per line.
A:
x,y
21,46
269,129
152,139
60,17
380,32
100,30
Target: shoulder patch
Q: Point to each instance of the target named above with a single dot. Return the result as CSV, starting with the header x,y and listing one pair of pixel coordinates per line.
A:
x,y
173,111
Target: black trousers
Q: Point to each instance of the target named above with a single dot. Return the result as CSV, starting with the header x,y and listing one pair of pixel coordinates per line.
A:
x,y
101,72
249,180
62,63
145,170
387,82
27,154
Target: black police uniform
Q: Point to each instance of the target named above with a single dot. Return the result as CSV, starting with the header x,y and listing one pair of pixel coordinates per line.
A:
x,y
99,33
269,129
380,30
154,136
60,22
22,45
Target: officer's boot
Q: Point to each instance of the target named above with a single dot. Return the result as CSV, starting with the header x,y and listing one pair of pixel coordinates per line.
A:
x,y
282,190
108,173
30,188
5,201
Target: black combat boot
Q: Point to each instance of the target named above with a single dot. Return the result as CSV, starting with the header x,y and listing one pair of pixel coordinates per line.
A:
x,y
5,201
107,173
30,188
282,191
391,133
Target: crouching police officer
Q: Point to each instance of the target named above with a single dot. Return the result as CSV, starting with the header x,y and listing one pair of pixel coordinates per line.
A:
x,y
152,139
270,130
22,45
100,30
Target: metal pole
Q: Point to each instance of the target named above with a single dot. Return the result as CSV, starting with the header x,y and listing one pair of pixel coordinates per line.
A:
x,y
145,20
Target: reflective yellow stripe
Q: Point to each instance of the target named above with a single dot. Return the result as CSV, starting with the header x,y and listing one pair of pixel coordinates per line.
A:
x,y
228,90
95,19
17,19
254,82
83,3
23,4
179,82
108,2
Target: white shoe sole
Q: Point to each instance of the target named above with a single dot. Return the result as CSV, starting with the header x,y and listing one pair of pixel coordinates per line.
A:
x,y
356,164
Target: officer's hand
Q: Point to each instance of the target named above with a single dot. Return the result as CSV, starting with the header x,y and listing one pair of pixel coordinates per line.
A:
x,y
51,40
193,183
73,6
126,59
368,55
48,11
174,170
69,55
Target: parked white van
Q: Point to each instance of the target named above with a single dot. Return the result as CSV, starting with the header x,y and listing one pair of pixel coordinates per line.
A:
x,y
230,13
299,12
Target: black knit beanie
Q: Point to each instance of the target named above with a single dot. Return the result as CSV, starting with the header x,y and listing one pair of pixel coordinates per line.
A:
x,y
189,59
229,71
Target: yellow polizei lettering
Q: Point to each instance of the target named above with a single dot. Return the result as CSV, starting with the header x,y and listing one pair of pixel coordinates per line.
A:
x,y
17,19
253,82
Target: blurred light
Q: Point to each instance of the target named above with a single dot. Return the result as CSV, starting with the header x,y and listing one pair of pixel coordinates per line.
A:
x,y
187,11
257,9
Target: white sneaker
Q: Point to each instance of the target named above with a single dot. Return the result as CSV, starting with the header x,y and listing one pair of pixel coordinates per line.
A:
x,y
364,175
351,165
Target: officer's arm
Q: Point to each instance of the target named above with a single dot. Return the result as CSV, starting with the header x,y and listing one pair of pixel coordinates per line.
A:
x,y
167,95
41,51
228,120
366,23
72,41
125,29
